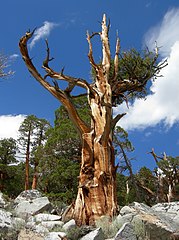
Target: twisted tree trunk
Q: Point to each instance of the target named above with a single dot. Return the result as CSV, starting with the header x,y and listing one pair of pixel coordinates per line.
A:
x,y
97,183
97,180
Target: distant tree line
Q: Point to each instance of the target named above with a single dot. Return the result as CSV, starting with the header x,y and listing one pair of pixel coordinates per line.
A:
x,y
48,159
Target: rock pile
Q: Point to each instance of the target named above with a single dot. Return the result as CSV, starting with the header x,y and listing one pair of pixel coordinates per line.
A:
x,y
30,217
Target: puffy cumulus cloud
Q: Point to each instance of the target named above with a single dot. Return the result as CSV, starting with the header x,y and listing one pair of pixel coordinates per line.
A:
x,y
42,32
162,104
166,33
9,125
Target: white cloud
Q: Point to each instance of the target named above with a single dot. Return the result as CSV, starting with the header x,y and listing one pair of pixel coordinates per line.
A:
x,y
166,33
14,56
42,32
9,125
162,105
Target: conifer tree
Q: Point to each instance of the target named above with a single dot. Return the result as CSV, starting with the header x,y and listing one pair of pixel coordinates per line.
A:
x,y
115,80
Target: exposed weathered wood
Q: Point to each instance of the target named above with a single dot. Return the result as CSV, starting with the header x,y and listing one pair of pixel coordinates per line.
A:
x,y
116,61
97,180
56,92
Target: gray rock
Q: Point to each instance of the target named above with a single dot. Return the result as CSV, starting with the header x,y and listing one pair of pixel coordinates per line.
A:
x,y
40,229
55,236
126,232
5,219
46,222
32,207
28,195
2,201
152,226
96,234
46,217
134,208
158,222
26,234
31,225
126,210
69,225
18,223
51,224
120,220
136,221
37,228
176,219
9,226
171,208
140,207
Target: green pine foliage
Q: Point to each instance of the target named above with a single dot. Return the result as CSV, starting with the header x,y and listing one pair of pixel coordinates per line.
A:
x,y
58,179
60,161
8,150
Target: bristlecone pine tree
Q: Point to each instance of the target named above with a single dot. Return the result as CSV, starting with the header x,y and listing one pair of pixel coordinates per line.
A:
x,y
115,81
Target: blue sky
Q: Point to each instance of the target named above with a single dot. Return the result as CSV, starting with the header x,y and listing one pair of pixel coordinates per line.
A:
x,y
152,123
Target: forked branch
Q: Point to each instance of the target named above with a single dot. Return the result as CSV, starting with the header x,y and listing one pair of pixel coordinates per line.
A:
x,y
48,59
61,76
54,90
116,119
155,156
116,61
90,53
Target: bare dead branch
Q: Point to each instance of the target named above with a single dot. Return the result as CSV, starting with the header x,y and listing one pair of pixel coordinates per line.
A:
x,y
116,60
94,34
25,56
148,190
90,53
116,119
70,87
56,85
155,156
61,76
54,90
105,45
48,59
75,81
